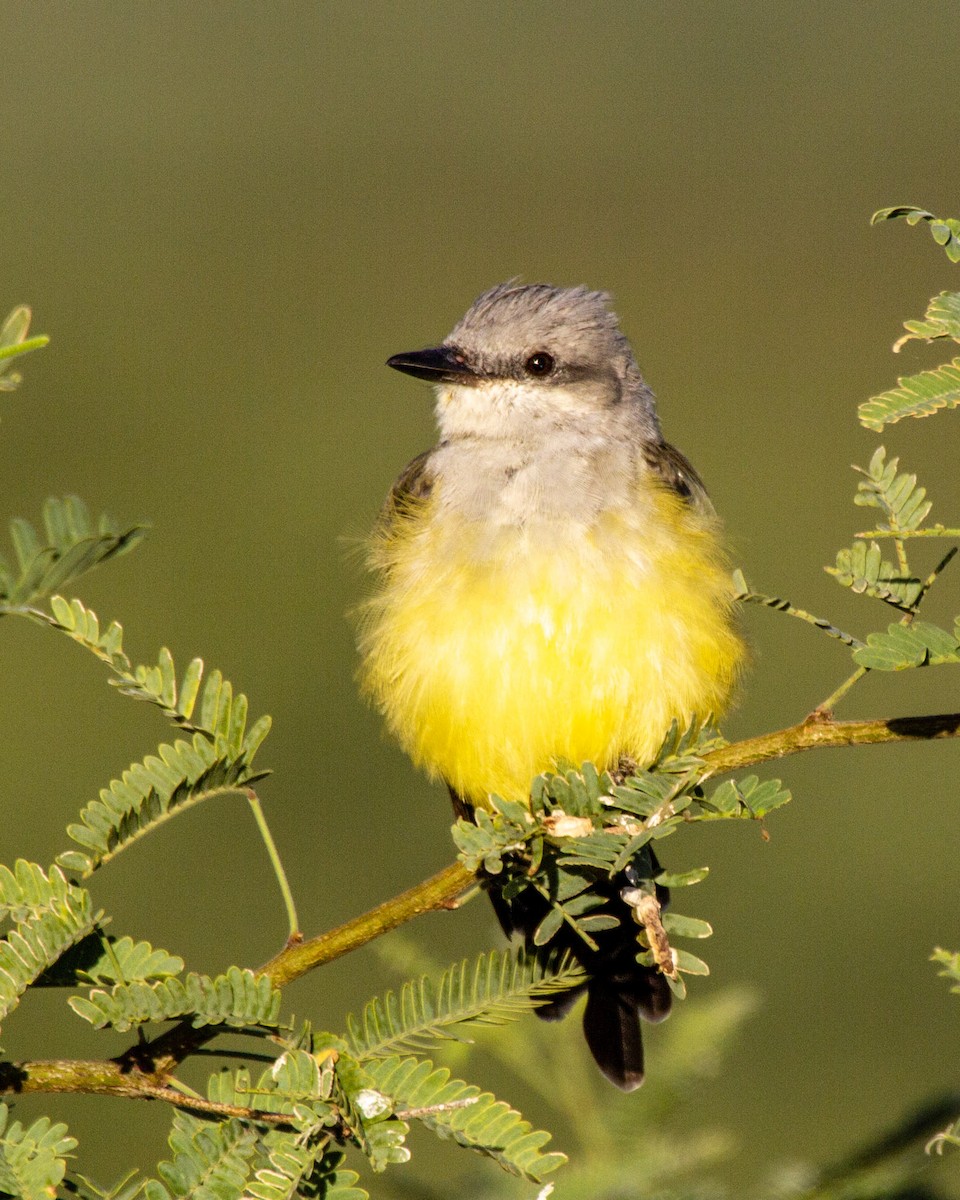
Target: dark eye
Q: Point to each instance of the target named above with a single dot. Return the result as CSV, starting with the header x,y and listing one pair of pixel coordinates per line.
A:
x,y
539,364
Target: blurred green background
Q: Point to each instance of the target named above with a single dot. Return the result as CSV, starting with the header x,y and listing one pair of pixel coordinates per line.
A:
x,y
228,215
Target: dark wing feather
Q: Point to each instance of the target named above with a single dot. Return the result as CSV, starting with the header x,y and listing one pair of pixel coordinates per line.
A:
x,y
676,472
412,487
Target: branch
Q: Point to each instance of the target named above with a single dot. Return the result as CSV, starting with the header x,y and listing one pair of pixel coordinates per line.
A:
x,y
443,890
144,1071
108,1078
816,732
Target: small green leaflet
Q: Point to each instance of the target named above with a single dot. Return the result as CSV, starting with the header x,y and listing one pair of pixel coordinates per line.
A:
x,y
904,646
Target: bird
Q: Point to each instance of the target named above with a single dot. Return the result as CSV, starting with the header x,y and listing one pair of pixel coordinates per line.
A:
x,y
550,586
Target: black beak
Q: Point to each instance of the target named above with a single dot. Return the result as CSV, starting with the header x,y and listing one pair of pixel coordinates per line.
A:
x,y
441,365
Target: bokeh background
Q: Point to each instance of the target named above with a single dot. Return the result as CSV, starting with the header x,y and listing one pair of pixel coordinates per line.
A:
x,y
228,215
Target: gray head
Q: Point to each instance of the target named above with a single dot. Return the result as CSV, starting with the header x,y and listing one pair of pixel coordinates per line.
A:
x,y
529,352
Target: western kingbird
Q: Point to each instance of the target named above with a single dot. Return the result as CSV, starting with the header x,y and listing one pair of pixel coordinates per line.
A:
x,y
551,587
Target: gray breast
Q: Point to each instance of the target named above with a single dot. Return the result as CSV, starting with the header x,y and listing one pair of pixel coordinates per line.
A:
x,y
560,479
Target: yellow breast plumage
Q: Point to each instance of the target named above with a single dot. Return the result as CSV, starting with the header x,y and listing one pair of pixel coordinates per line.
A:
x,y
494,652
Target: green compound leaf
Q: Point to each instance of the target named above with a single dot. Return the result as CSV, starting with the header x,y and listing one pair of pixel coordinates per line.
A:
x,y
28,891
479,844
458,1110
866,572
576,791
295,1168
368,1115
904,646
749,797
684,747
48,917
220,714
69,546
949,960
644,793
885,487
493,989
106,960
149,793
862,566
746,595
239,999
944,230
127,961
33,1160
942,320
216,760
211,1161
914,396
294,1080
301,1162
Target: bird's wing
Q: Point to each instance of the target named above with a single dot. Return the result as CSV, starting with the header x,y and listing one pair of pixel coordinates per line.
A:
x,y
413,486
670,466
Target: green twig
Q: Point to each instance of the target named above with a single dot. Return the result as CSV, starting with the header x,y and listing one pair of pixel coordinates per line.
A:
x,y
928,582
901,552
273,854
779,605
932,531
825,707
28,344
27,610
442,890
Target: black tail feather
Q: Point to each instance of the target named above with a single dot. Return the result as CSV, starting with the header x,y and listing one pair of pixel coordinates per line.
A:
x,y
620,990
611,1024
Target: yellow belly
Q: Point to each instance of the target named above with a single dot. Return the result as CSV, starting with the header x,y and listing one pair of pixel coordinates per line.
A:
x,y
492,654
